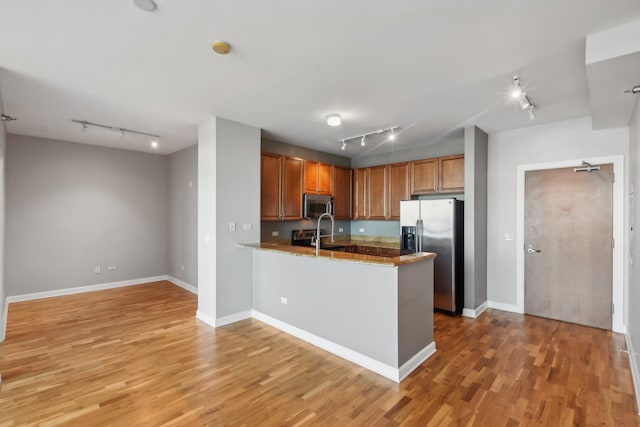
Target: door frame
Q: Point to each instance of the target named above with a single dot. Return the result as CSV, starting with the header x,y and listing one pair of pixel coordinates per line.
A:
x,y
618,282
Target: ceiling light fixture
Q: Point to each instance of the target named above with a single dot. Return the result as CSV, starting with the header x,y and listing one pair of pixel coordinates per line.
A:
x,y
334,120
123,131
362,137
146,5
392,136
634,90
154,143
221,47
524,100
6,118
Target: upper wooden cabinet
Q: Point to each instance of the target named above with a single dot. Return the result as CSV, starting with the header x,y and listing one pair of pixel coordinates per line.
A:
x,y
341,193
451,173
280,187
370,192
317,177
398,187
424,176
359,194
438,175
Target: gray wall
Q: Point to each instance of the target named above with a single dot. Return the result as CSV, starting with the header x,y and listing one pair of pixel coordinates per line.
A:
x,y
277,147
567,140
633,320
3,293
237,200
183,215
450,144
71,207
475,217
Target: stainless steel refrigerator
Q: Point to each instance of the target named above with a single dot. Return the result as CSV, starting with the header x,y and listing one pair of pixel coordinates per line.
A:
x,y
438,226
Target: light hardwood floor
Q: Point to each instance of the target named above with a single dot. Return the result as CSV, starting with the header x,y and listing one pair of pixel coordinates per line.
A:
x,y
137,356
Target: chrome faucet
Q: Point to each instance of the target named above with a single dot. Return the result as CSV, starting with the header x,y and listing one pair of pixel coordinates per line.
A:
x,y
319,236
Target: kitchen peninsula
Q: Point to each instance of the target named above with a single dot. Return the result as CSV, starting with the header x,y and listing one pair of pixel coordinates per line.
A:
x,y
374,311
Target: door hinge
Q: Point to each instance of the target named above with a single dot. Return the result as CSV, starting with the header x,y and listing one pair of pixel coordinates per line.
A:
x,y
613,177
613,309
613,243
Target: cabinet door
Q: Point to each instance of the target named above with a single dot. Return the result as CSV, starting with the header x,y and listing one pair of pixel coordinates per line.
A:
x,y
359,196
451,173
310,176
398,187
424,176
269,187
342,193
291,188
376,191
325,175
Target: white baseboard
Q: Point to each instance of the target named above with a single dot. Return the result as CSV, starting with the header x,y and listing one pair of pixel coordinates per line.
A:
x,y
3,331
82,289
209,320
367,362
475,312
232,318
504,307
635,373
183,285
417,360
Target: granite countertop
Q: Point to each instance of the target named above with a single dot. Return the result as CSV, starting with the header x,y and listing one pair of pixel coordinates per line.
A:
x,y
342,256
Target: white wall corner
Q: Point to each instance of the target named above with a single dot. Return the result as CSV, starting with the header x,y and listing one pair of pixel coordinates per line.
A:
x,y
512,308
474,313
417,360
183,285
209,320
635,373
3,330
232,318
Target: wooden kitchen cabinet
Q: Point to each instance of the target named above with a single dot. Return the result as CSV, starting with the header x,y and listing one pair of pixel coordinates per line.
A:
x,y
451,174
398,187
377,191
424,176
370,192
317,177
280,187
341,193
438,175
359,196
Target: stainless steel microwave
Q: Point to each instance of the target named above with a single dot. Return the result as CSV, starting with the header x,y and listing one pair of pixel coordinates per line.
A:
x,y
316,204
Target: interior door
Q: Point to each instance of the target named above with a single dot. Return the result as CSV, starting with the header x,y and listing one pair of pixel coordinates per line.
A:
x,y
569,245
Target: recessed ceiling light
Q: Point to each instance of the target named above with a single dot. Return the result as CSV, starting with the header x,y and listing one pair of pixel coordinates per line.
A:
x,y
154,143
146,5
221,47
334,119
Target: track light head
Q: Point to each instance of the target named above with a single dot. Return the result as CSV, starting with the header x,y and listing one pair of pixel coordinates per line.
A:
x,y
362,141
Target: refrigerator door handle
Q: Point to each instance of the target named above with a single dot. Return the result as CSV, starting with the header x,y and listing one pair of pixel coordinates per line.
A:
x,y
419,231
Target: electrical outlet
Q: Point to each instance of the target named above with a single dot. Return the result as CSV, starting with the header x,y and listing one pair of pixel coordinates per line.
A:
x,y
190,184
340,229
508,236
283,300
97,269
275,233
111,268
182,267
246,226
232,226
362,230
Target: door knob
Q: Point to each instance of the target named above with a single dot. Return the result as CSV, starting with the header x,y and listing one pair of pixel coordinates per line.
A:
x,y
532,250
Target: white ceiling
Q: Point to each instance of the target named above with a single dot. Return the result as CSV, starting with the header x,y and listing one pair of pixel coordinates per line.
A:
x,y
430,67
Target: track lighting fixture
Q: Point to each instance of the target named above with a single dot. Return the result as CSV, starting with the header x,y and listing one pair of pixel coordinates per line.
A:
x,y
363,136
634,90
123,131
524,100
6,118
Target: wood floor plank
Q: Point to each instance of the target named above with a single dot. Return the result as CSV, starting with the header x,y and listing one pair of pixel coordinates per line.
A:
x,y
138,356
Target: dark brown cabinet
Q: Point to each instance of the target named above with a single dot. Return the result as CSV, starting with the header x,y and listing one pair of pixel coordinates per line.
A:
x,y
280,187
317,177
342,193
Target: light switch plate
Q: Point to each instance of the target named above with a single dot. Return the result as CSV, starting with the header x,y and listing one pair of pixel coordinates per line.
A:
x,y
508,236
